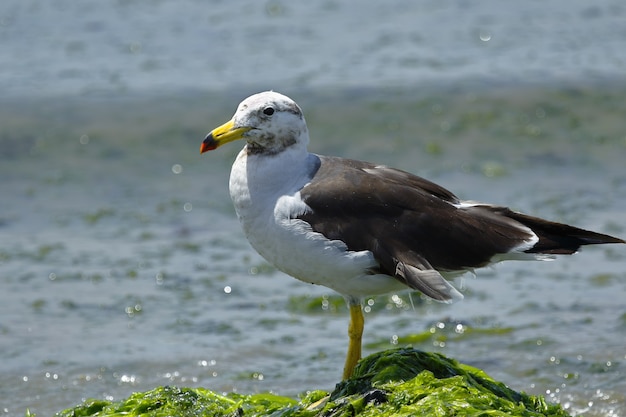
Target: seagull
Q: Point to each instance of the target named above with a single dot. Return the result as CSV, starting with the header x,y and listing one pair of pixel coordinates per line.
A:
x,y
363,229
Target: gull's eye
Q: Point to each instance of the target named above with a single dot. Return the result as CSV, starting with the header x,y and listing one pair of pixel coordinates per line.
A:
x,y
268,111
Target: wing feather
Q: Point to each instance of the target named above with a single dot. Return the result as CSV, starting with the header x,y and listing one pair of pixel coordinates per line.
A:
x,y
411,225
417,229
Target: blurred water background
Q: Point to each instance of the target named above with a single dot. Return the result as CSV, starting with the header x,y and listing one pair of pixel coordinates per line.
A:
x,y
122,266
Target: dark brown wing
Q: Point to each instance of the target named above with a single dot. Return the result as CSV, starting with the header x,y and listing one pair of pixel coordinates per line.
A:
x,y
415,227
410,224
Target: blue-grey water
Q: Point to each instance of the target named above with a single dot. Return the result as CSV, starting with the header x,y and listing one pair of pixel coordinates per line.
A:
x,y
65,47
122,266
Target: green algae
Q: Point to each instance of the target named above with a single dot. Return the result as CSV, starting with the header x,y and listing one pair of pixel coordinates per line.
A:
x,y
441,332
398,382
416,382
95,217
182,402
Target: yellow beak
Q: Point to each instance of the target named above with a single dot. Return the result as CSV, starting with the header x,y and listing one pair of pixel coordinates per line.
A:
x,y
221,135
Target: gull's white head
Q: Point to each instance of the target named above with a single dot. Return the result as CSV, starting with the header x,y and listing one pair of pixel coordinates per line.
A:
x,y
269,122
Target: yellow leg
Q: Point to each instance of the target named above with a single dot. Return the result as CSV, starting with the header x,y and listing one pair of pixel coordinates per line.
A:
x,y
355,332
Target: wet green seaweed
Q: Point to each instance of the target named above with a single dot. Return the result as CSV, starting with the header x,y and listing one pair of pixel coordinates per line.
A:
x,y
398,382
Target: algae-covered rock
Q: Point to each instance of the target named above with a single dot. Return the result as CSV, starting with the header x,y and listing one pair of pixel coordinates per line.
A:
x,y
183,402
411,382
399,382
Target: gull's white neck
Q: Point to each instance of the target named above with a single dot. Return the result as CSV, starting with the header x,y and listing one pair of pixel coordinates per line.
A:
x,y
257,181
